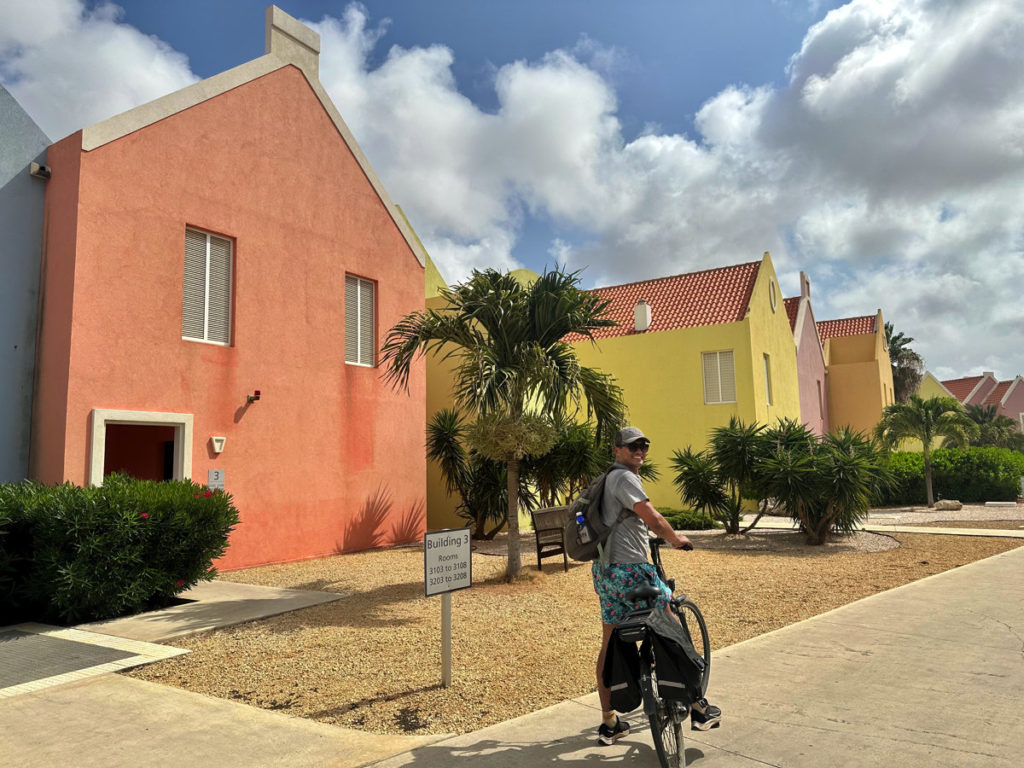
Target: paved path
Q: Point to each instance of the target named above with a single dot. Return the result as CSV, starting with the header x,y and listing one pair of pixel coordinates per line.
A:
x,y
925,675
928,674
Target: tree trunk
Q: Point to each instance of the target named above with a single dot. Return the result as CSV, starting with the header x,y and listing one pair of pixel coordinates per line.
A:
x,y
928,475
514,561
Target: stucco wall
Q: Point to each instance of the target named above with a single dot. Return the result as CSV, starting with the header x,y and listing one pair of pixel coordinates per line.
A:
x,y
661,375
21,229
330,459
811,373
770,334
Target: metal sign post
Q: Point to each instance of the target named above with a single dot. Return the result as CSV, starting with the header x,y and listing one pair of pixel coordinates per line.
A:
x,y
447,567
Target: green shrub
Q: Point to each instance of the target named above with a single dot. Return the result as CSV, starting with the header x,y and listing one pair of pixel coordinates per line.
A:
x,y
87,554
688,520
969,475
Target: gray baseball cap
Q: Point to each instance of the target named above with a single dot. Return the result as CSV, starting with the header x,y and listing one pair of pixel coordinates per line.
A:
x,y
628,435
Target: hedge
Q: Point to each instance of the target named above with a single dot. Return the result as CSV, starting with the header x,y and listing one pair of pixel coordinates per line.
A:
x,y
688,520
70,554
969,475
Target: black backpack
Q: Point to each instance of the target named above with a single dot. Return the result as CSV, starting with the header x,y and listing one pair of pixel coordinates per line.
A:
x,y
588,546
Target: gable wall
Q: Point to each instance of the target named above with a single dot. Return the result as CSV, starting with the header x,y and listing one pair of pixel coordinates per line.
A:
x,y
330,459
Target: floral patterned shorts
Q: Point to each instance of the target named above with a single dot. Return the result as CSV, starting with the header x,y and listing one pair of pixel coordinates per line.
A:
x,y
611,582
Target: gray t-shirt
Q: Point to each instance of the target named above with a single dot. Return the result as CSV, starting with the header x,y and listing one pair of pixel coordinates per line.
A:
x,y
628,542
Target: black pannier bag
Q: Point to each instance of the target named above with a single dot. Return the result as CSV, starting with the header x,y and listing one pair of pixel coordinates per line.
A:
x,y
680,669
621,673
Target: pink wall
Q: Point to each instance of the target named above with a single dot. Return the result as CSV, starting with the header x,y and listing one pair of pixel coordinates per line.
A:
x,y
330,459
810,365
57,277
1014,405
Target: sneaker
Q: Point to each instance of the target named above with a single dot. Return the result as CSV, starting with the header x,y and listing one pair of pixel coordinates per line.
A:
x,y
606,735
710,718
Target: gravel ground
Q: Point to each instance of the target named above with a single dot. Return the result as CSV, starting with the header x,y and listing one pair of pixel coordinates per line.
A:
x,y
372,660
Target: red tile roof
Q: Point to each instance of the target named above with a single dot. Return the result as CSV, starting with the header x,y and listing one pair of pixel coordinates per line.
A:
x,y
997,393
847,326
792,307
961,388
681,301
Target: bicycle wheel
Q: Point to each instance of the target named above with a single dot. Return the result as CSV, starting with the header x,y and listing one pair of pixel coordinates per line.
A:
x,y
691,617
667,729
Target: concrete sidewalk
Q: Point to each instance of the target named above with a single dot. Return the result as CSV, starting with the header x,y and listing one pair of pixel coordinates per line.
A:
x,y
925,675
928,674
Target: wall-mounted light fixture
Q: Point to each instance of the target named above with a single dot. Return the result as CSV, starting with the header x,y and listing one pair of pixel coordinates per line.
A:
x,y
39,171
218,443
253,397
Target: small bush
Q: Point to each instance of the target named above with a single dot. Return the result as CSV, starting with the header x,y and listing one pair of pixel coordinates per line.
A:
x,y
75,554
688,520
969,475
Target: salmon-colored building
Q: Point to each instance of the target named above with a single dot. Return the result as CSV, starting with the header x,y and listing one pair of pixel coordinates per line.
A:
x,y
1007,396
219,267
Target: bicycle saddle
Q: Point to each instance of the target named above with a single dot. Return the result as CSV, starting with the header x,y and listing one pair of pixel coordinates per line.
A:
x,y
643,592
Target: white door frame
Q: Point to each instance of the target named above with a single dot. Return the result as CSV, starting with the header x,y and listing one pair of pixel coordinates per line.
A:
x,y
182,423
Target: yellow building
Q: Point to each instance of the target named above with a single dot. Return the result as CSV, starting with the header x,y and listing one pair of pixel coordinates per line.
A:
x,y
859,381
692,350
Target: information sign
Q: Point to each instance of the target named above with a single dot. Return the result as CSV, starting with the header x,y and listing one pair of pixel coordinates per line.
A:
x,y
447,561
215,479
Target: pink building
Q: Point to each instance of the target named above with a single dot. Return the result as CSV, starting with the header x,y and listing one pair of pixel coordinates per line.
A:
x,y
986,389
219,266
810,360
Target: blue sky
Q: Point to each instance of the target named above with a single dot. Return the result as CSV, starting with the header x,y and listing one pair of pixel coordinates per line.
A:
x,y
876,145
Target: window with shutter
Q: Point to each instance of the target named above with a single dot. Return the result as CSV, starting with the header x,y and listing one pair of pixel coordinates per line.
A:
x,y
206,298
359,321
768,379
719,377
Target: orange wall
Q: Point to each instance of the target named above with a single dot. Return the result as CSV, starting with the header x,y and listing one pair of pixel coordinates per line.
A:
x,y
56,289
330,459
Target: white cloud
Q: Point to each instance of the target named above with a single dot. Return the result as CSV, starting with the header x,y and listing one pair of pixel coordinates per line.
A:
x,y
889,167
70,67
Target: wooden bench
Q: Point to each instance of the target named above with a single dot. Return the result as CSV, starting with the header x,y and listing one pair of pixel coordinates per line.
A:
x,y
549,524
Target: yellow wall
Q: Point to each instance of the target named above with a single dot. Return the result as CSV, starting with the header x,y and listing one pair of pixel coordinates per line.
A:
x,y
859,379
770,334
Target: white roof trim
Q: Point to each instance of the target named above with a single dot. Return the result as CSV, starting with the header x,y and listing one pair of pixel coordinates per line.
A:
x,y
982,380
1016,380
289,43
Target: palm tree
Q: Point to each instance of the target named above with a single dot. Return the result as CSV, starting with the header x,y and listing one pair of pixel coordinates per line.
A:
x,y
715,481
514,370
925,420
826,483
907,365
994,429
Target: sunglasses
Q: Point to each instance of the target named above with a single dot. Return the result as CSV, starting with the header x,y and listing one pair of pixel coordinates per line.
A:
x,y
638,446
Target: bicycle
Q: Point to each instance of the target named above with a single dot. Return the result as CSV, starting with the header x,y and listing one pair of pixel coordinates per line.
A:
x,y
666,716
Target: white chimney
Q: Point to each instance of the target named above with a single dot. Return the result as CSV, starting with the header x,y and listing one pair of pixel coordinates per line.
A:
x,y
642,316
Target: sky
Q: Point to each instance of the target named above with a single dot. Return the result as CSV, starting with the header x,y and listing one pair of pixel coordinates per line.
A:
x,y
876,145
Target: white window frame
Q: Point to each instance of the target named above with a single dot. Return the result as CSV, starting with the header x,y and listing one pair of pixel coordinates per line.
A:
x,y
715,359
182,423
205,339
360,282
767,377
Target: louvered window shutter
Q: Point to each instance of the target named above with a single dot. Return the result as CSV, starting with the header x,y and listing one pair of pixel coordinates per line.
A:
x,y
359,321
218,326
351,319
366,322
719,377
206,298
728,374
193,310
712,387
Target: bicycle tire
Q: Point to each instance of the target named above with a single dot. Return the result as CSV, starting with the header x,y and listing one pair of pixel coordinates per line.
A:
x,y
689,614
667,730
